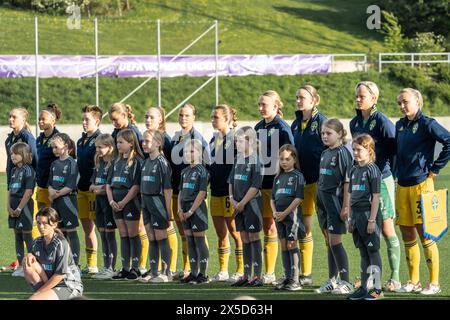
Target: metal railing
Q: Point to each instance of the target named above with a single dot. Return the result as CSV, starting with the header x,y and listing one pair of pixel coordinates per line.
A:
x,y
413,61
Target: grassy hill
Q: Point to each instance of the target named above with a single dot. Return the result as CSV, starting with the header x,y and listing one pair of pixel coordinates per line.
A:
x,y
246,26
256,26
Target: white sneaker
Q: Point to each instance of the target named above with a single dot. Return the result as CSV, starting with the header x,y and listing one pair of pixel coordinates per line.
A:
x,y
343,287
146,277
235,277
431,289
220,276
392,285
178,275
328,286
104,275
410,287
159,279
18,272
142,270
279,281
268,278
89,270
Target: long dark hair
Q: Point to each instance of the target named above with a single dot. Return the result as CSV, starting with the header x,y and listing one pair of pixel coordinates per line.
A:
x,y
52,217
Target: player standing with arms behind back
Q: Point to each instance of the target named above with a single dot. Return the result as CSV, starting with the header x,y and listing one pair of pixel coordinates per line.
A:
x,y
271,129
370,120
223,152
306,129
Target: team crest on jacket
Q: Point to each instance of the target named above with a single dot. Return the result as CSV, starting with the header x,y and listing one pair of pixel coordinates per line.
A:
x,y
401,129
65,169
333,161
271,131
314,126
372,125
227,144
415,127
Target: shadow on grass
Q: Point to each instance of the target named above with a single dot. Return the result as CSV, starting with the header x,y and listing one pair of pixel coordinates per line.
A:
x,y
346,17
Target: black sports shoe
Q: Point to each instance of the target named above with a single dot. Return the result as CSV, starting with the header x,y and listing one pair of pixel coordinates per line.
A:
x,y
189,278
256,282
240,283
122,275
359,294
134,274
201,279
281,285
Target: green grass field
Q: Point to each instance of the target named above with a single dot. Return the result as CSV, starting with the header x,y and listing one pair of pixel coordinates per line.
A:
x,y
15,288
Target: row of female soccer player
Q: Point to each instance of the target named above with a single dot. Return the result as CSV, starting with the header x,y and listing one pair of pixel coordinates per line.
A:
x,y
248,202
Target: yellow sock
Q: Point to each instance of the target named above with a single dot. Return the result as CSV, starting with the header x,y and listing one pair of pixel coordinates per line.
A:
x,y
144,252
270,253
91,257
224,257
431,252
412,251
306,247
34,231
239,253
173,245
184,251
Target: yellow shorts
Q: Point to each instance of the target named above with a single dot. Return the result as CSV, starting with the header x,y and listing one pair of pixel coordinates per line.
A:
x,y
309,203
42,196
86,205
266,196
221,207
407,203
175,207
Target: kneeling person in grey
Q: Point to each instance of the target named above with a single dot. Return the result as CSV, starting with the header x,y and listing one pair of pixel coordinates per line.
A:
x,y
50,268
193,212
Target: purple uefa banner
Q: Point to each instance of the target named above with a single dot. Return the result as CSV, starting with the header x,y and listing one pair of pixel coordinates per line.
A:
x,y
146,66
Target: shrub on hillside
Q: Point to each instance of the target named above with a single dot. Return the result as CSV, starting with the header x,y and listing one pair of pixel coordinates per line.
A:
x,y
409,76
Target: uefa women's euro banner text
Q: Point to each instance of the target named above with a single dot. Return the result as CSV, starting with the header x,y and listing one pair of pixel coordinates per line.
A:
x,y
62,66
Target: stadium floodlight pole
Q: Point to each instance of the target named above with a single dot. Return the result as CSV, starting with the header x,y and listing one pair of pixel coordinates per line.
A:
x,y
179,54
97,102
158,38
216,51
36,70
190,96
